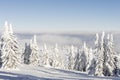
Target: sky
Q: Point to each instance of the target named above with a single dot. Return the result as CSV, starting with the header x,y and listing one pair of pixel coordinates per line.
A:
x,y
61,15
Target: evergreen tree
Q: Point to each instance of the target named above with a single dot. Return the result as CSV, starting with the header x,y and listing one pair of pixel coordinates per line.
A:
x,y
57,59
90,58
26,54
34,56
47,60
96,67
105,60
91,69
71,58
84,58
11,56
100,57
109,57
77,61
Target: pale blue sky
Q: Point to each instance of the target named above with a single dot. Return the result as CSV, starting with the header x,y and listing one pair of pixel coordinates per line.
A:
x,y
61,15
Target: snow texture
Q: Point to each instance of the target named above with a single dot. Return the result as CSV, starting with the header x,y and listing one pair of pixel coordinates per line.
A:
x,y
28,72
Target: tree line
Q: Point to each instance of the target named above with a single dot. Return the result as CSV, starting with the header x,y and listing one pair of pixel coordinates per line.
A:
x,y
102,60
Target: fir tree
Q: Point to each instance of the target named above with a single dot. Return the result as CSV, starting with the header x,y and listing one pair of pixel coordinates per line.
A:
x,y
90,59
91,69
57,59
11,56
109,57
34,56
45,56
105,60
84,58
77,61
71,58
100,57
26,54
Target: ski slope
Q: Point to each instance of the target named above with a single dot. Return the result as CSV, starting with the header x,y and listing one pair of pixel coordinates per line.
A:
x,y
28,72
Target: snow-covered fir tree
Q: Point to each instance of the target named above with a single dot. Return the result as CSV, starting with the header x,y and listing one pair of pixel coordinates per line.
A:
x,y
55,56
83,58
77,60
71,58
57,59
65,50
34,56
105,60
90,58
100,57
109,57
91,69
10,51
47,56
96,67
26,54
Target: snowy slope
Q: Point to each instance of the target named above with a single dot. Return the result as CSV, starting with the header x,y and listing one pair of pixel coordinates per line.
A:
x,y
28,72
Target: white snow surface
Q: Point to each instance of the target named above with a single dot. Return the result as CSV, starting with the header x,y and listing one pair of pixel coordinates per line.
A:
x,y
28,72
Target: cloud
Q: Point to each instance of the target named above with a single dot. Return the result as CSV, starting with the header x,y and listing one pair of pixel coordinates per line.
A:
x,y
61,40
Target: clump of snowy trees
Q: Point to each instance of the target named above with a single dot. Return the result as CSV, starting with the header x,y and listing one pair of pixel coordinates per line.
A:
x,y
105,57
10,51
102,60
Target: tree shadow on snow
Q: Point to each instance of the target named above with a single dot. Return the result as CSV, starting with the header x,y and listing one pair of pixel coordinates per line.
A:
x,y
84,75
16,76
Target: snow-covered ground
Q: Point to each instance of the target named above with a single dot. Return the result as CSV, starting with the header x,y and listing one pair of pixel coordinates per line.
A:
x,y
28,72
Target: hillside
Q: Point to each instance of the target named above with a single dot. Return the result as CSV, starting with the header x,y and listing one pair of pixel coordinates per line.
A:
x,y
28,72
